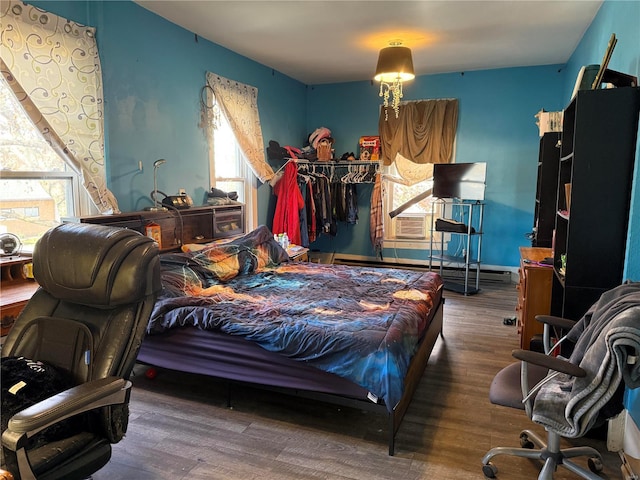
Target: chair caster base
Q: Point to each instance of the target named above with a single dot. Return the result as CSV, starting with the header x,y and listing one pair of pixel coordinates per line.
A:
x,y
595,464
490,470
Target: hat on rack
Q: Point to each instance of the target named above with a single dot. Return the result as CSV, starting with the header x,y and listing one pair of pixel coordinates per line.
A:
x,y
275,151
318,134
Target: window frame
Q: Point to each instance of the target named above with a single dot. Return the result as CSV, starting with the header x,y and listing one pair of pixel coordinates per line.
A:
x,y
78,200
390,224
248,179
71,175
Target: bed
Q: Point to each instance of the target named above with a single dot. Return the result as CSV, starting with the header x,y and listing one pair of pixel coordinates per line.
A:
x,y
241,311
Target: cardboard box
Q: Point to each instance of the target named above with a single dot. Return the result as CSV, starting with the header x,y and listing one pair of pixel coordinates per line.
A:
x,y
549,121
370,148
152,230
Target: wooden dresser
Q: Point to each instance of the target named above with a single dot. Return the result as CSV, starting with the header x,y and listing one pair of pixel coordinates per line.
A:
x,y
179,227
534,292
15,289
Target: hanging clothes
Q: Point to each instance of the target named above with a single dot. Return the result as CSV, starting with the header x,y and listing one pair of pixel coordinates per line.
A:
x,y
287,214
304,227
351,203
345,202
312,229
325,222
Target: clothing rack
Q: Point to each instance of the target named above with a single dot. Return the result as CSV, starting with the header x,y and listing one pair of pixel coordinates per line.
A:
x,y
355,171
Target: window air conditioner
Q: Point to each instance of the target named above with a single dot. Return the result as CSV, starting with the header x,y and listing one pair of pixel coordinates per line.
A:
x,y
411,225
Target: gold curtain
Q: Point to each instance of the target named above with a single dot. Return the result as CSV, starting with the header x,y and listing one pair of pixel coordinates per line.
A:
x,y
239,103
52,66
424,131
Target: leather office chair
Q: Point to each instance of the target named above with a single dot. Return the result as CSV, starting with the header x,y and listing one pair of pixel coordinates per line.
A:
x,y
570,396
98,286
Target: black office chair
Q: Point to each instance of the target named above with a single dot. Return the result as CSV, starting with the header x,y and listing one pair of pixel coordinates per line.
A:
x,y
97,289
570,397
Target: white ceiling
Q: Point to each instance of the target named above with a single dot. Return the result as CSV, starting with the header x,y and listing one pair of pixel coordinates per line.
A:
x,y
338,41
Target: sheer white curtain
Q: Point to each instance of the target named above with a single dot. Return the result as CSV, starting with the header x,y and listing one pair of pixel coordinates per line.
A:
x,y
239,103
53,67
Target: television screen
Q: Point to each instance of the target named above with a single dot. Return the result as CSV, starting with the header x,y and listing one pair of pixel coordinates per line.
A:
x,y
464,181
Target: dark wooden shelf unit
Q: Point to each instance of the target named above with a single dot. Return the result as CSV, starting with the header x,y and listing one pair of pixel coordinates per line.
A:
x,y
597,160
546,190
179,227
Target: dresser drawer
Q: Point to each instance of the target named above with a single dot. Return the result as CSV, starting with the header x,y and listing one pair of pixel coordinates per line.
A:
x,y
534,293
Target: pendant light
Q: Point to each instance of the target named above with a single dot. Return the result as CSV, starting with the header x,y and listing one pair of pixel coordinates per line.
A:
x,y
395,66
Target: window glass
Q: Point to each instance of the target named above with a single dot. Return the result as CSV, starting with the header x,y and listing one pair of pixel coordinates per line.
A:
x,y
230,170
416,232
401,194
226,152
37,188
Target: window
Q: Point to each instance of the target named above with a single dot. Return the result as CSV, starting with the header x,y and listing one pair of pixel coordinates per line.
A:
x,y
37,188
423,134
230,172
411,228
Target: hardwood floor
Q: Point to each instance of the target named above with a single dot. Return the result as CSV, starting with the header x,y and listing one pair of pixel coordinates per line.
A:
x,y
180,427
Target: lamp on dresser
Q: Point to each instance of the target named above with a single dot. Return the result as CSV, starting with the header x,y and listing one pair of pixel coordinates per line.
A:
x,y
156,206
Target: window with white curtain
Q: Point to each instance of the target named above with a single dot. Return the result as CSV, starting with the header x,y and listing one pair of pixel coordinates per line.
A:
x,y
53,67
421,135
230,172
237,154
37,187
411,229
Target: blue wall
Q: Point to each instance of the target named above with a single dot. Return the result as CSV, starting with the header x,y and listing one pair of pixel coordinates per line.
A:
x,y
154,71
153,74
496,125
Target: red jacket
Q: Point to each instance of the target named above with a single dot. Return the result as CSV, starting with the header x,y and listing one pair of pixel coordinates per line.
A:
x,y
287,215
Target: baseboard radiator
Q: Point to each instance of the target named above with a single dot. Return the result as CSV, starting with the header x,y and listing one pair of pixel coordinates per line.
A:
x,y
447,272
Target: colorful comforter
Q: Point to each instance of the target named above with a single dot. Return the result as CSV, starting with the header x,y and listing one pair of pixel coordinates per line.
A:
x,y
361,323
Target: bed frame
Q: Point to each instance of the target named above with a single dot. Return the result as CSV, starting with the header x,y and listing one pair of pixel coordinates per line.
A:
x,y
252,365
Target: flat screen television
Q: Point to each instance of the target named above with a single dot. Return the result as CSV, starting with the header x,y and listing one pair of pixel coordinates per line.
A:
x,y
464,181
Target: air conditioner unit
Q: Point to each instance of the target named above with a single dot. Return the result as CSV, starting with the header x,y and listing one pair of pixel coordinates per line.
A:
x,y
411,225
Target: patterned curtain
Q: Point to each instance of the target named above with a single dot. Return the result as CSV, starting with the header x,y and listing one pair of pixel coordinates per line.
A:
x,y
424,131
52,65
376,222
239,103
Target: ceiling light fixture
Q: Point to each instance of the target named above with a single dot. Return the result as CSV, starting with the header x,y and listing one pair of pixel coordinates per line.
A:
x,y
395,65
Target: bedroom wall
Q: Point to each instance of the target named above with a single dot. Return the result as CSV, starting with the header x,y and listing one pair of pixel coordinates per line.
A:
x,y
496,125
153,72
621,18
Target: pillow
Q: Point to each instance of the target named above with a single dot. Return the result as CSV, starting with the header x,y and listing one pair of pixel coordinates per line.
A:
x,y
26,382
193,247
247,254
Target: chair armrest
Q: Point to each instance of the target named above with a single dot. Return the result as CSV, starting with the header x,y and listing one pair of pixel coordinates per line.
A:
x,y
81,398
559,322
552,363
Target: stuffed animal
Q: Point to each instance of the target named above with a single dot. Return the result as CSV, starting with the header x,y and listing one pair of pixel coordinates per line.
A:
x,y
26,382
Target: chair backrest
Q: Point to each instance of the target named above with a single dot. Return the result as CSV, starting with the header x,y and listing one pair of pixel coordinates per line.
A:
x,y
98,285
607,348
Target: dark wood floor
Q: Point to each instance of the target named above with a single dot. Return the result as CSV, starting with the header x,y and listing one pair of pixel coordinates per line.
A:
x,y
181,428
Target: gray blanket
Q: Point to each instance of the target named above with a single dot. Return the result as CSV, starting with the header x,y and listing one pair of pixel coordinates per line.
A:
x,y
607,338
